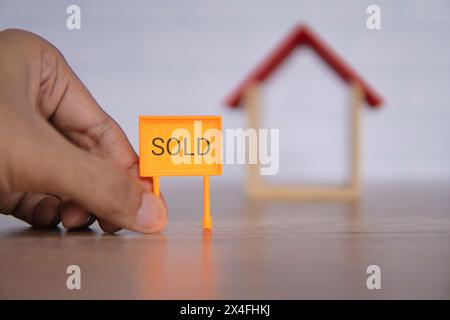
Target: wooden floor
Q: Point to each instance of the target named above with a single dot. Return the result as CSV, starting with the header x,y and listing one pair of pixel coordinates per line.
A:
x,y
257,249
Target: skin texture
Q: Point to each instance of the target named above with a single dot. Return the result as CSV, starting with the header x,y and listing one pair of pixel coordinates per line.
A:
x,y
62,158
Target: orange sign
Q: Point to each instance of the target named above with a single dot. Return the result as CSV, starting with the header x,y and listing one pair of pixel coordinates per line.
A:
x,y
180,145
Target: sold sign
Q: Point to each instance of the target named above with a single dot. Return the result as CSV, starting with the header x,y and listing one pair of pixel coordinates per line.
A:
x,y
181,146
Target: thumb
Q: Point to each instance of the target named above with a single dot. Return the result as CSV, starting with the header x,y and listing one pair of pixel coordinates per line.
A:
x,y
45,161
109,192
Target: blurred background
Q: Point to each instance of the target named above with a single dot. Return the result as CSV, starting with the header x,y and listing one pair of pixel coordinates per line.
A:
x,y
175,57
184,57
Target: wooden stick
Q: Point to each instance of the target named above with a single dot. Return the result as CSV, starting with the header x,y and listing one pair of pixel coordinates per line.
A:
x,y
207,220
305,193
357,99
252,103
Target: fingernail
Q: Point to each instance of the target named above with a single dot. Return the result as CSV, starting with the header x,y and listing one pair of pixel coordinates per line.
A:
x,y
90,220
149,214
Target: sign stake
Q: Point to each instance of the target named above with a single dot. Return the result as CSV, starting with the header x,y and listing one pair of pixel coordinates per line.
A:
x,y
156,186
207,221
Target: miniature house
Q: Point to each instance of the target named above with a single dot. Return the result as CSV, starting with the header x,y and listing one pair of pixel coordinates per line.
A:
x,y
247,95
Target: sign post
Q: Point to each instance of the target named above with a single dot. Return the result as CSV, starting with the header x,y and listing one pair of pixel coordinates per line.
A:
x,y
156,186
181,146
207,220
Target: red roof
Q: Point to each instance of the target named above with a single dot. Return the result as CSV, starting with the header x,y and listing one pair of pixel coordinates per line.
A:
x,y
302,35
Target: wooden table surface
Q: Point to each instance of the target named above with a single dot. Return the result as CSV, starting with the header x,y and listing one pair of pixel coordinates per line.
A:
x,y
256,250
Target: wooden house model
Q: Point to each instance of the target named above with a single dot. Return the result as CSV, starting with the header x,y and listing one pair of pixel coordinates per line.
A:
x,y
247,95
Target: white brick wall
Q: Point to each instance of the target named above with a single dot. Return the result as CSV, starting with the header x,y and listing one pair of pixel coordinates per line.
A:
x,y
182,57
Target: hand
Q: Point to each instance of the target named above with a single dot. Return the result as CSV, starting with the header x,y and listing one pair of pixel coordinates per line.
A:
x,y
62,158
